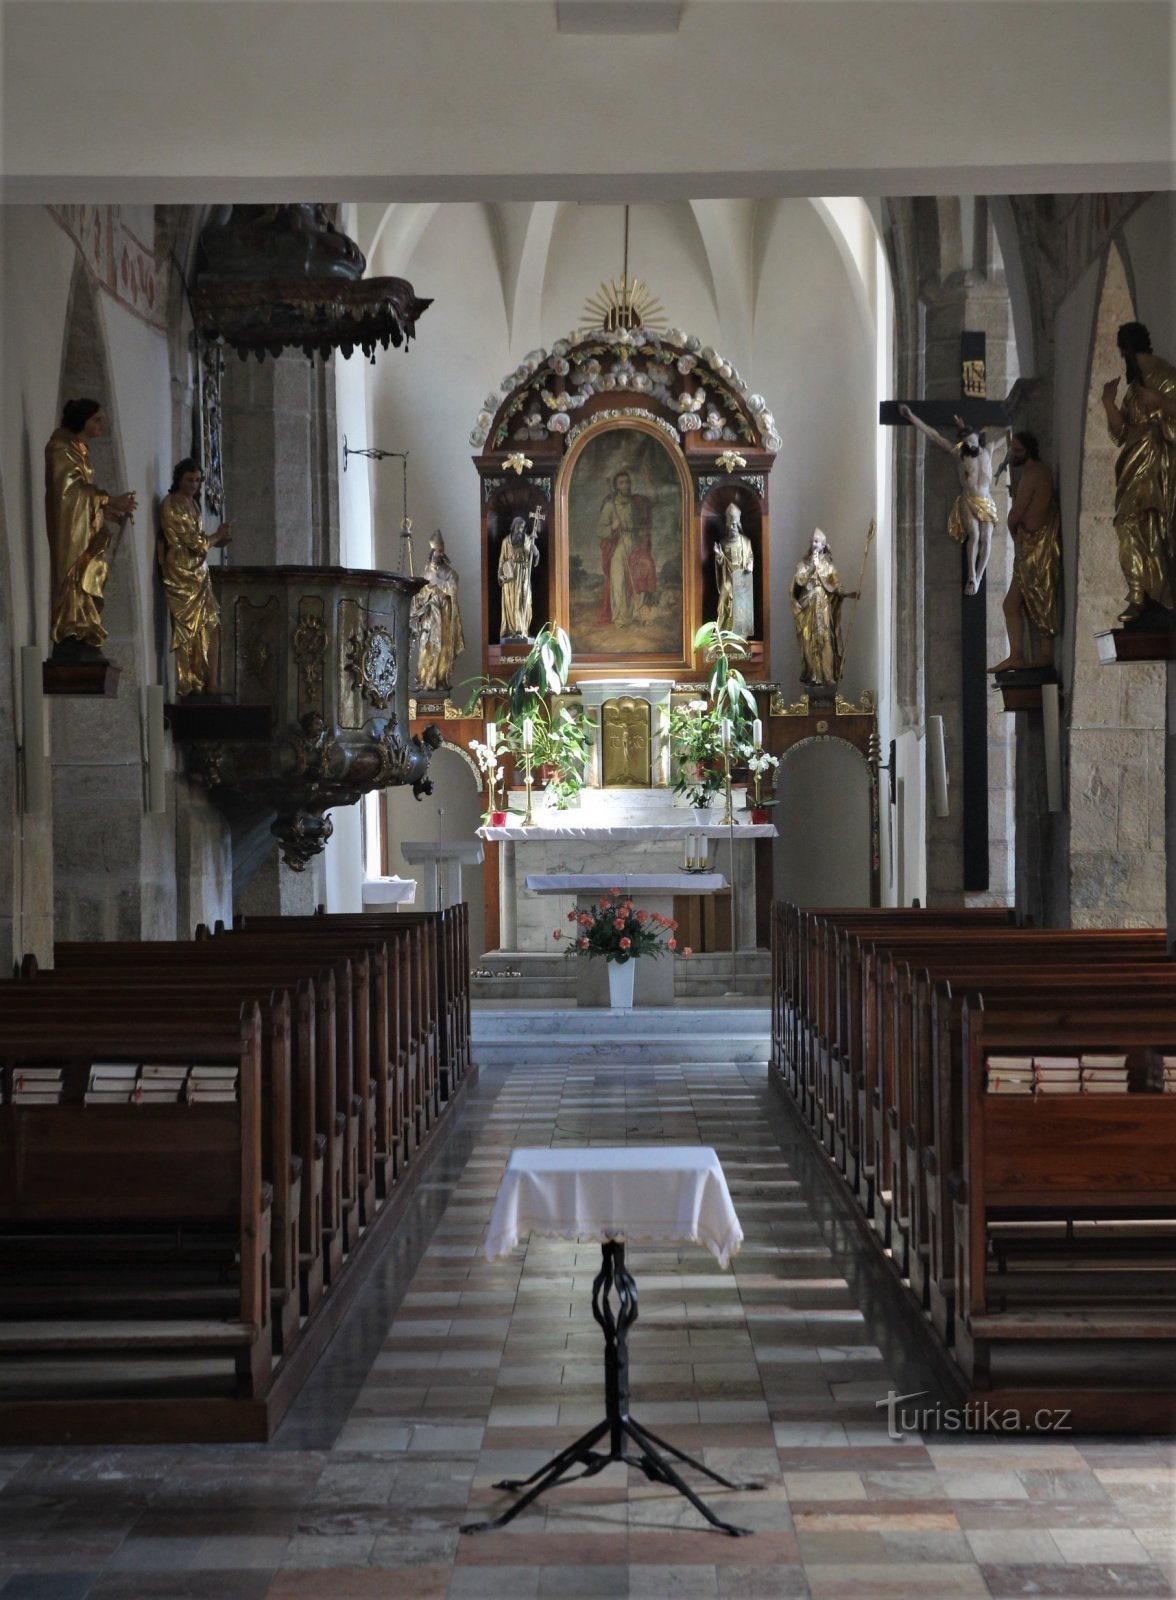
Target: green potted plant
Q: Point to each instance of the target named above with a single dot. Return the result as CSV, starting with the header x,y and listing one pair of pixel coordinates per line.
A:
x,y
561,734
695,730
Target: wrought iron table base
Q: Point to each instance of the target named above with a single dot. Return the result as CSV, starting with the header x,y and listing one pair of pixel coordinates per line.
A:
x,y
618,1426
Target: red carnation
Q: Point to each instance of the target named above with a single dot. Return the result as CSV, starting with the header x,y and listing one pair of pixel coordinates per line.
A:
x,y
584,945
557,934
672,944
687,951
643,916
625,943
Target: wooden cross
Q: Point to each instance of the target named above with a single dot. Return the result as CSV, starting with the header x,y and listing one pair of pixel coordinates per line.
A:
x,y
979,412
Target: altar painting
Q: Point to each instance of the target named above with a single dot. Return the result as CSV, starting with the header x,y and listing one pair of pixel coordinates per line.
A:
x,y
625,523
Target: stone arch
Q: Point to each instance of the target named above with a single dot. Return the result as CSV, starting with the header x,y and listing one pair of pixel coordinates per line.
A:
x,y
1118,856
113,866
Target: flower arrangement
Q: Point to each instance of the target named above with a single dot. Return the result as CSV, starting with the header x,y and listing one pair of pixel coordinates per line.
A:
x,y
696,743
489,760
761,766
612,928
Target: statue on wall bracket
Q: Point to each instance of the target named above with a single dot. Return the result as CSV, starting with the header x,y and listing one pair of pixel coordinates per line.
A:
x,y
77,514
1143,425
816,607
436,620
183,564
1036,530
734,566
974,514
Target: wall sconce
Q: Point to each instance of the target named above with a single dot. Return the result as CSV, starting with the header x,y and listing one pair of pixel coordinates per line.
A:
x,y
874,757
32,717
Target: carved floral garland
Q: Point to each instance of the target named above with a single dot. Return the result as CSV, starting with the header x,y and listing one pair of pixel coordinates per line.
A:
x,y
545,390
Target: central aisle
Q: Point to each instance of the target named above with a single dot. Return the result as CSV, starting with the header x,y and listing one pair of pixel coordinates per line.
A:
x,y
449,1373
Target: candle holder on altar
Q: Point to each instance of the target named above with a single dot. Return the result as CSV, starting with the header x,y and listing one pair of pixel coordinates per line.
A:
x,y
696,853
729,819
528,779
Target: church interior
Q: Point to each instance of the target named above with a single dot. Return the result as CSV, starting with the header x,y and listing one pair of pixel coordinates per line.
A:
x,y
587,763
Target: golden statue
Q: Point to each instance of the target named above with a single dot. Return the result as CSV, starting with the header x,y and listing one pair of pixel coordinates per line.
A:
x,y
436,619
183,562
734,564
1144,427
517,560
76,517
1036,530
816,605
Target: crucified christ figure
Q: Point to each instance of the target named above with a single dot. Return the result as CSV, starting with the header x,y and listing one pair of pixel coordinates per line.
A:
x,y
973,516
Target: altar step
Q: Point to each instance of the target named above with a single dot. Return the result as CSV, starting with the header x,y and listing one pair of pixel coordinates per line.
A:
x,y
551,979
651,1036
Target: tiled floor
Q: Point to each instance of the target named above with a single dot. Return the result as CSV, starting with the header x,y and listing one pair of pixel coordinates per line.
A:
x,y
451,1372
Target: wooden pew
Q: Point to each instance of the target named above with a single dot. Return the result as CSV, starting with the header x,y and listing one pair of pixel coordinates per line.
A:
x,y
1069,1156
338,1048
152,1169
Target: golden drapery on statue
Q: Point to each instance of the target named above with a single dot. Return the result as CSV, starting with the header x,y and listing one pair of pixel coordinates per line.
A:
x,y
1037,566
436,618
195,617
816,607
982,507
1145,491
75,516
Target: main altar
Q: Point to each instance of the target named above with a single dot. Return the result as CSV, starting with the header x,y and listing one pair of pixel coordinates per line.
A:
x,y
624,502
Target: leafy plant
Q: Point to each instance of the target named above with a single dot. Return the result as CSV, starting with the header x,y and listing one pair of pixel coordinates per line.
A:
x,y
561,734
612,928
695,730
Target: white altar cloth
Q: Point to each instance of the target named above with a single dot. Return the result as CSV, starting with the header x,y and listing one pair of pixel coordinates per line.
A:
x,y
635,1193
629,883
644,833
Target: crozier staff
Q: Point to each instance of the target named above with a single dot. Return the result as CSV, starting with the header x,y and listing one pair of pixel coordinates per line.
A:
x,y
183,564
76,516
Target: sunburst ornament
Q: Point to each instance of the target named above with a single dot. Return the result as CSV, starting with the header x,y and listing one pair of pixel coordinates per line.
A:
x,y
624,304
730,460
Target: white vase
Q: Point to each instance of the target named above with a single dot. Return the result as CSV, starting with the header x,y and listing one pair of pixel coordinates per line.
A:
x,y
704,816
620,984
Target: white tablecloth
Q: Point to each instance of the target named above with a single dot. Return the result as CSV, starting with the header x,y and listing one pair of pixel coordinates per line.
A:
x,y
515,833
667,1193
629,883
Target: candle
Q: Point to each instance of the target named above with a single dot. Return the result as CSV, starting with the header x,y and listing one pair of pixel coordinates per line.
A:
x,y
492,735
528,733
725,730
757,733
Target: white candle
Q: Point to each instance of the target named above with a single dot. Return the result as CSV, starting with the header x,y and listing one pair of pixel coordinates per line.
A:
x,y
528,733
492,735
757,733
725,730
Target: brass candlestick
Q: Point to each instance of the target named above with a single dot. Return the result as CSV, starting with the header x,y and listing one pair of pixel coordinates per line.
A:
x,y
528,820
728,815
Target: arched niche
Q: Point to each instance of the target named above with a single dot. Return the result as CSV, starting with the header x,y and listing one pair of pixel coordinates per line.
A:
x,y
711,527
827,818
452,811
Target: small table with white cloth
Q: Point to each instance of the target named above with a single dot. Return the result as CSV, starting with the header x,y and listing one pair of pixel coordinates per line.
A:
x,y
658,1193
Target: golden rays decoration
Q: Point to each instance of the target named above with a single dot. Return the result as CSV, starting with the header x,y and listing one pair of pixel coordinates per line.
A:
x,y
624,303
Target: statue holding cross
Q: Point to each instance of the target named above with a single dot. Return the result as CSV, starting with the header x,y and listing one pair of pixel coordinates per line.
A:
x,y
517,560
974,514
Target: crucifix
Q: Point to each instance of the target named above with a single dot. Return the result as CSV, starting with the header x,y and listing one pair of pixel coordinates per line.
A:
x,y
977,412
